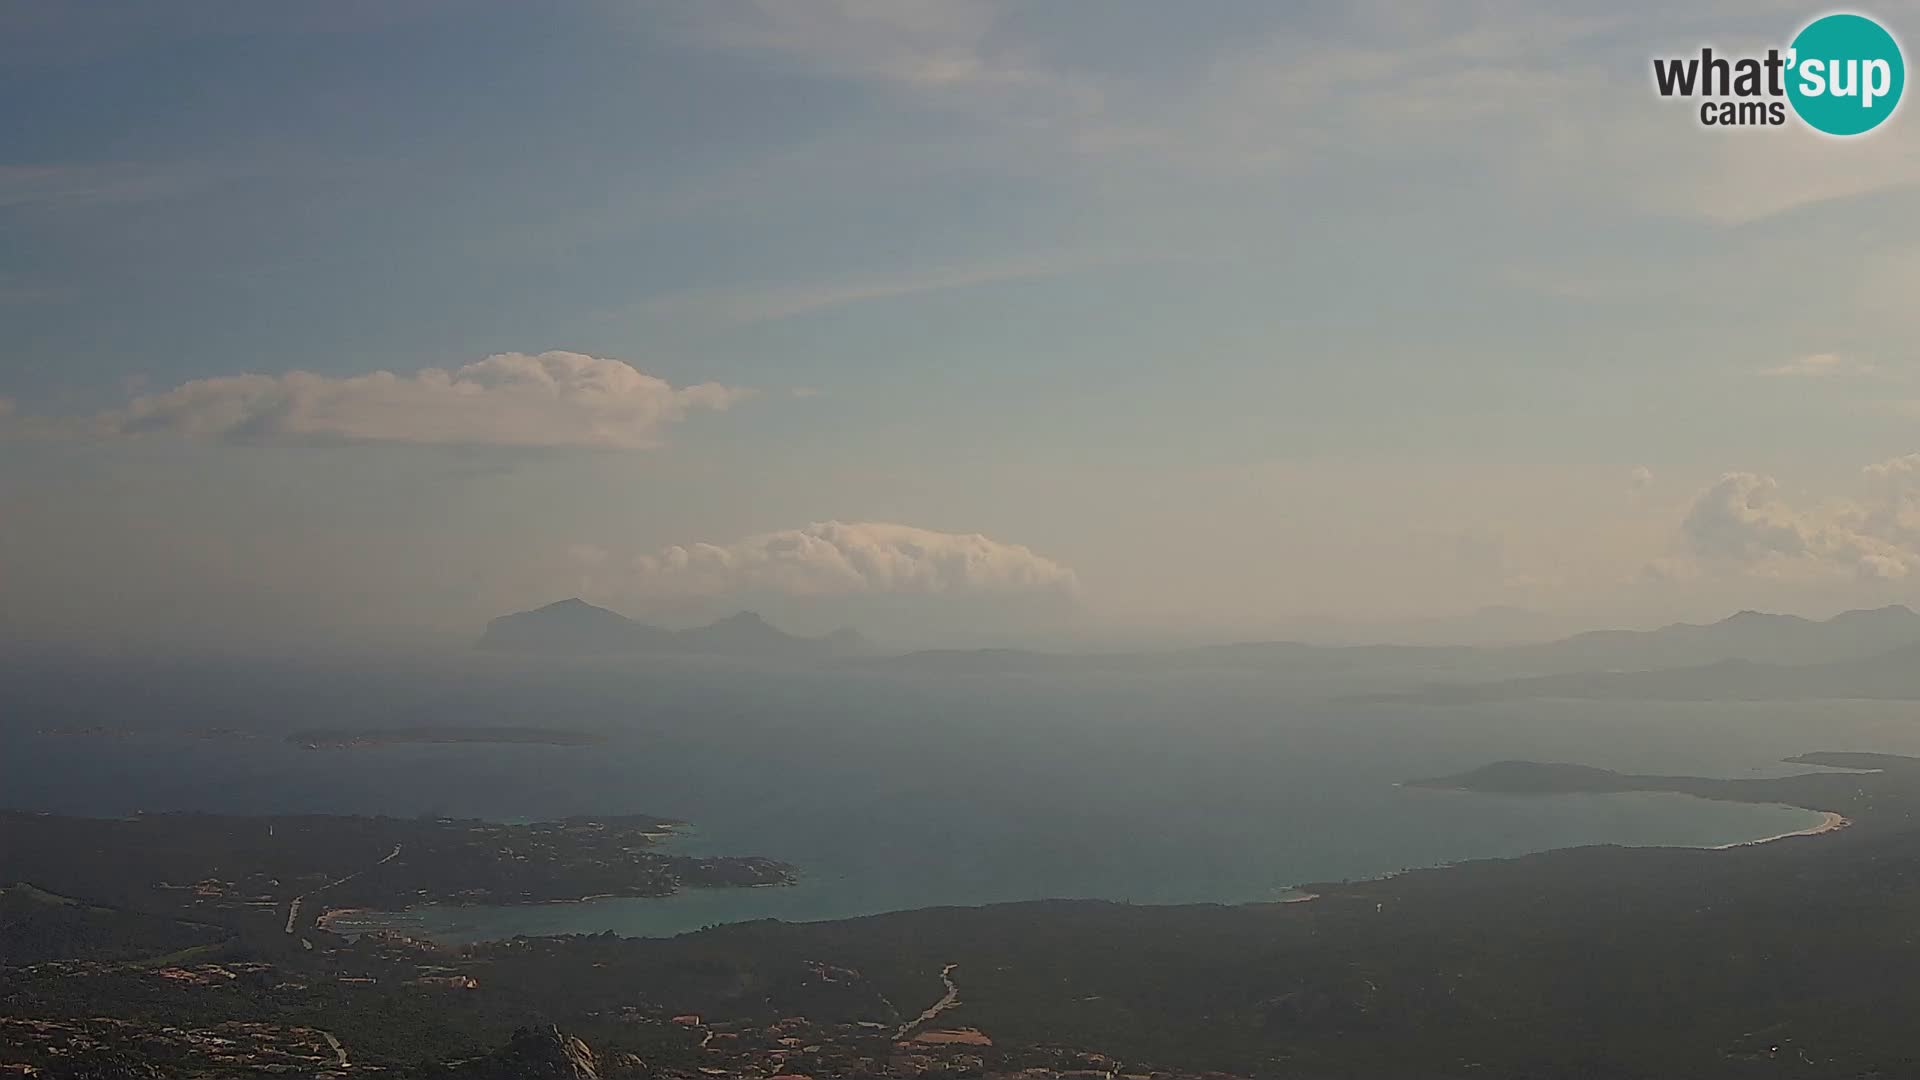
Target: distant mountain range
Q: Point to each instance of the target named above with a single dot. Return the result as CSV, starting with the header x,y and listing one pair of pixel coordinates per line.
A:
x,y
574,627
1260,655
1892,675
1746,656
1747,636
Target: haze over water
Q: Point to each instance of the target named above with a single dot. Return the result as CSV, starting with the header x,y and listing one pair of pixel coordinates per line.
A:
x,y
893,793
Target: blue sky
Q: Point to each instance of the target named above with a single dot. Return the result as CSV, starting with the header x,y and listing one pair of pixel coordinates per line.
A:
x,y
1139,318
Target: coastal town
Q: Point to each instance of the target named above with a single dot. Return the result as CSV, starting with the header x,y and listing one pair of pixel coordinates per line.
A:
x,y
795,1048
681,1045
111,1046
792,1048
289,871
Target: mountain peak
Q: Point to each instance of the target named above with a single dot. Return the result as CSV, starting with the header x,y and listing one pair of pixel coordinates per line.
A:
x,y
847,641
575,627
1752,619
543,1051
571,606
1889,613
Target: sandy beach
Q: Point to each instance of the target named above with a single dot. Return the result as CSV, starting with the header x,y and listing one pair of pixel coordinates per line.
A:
x,y
326,919
1829,822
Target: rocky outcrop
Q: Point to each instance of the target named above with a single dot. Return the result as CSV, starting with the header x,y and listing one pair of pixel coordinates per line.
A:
x,y
535,1053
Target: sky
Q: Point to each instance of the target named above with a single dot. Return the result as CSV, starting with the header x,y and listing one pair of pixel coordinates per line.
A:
x,y
958,322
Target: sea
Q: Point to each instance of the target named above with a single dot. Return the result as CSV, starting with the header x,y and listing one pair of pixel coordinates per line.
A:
x,y
891,792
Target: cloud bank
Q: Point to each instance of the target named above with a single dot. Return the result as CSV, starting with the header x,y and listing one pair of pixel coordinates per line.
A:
x,y
1821,366
554,399
1744,523
842,558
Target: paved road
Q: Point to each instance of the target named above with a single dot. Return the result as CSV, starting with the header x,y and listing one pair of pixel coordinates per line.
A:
x,y
948,1001
293,905
338,1050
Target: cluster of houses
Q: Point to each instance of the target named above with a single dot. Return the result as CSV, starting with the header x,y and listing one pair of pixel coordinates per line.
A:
x,y
223,1049
796,1048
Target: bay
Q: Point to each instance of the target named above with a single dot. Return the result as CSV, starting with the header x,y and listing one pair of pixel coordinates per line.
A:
x,y
893,793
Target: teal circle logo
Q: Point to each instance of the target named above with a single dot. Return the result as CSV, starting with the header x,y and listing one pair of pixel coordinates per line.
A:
x,y
1845,74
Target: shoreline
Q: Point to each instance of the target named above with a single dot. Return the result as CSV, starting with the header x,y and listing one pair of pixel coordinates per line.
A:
x,y
1829,822
326,918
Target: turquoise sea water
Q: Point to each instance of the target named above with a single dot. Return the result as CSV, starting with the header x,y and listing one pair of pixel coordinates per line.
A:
x,y
892,793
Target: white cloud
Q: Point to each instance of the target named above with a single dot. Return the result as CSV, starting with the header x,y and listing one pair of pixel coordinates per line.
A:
x,y
1821,366
1378,75
1546,97
1640,479
1901,470
1754,175
838,558
509,399
1899,475
1743,523
766,304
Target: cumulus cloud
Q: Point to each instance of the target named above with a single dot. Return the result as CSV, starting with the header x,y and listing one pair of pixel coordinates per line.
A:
x,y
509,399
1903,472
1821,366
837,558
1743,522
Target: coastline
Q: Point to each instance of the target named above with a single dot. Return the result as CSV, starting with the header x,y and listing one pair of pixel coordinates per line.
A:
x,y
1830,822
326,918
461,924
1813,792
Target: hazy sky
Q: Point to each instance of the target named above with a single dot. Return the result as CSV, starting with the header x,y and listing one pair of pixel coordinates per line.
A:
x,y
957,321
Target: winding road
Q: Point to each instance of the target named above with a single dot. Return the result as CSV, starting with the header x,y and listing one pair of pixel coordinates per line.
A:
x,y
293,905
338,1050
948,1001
